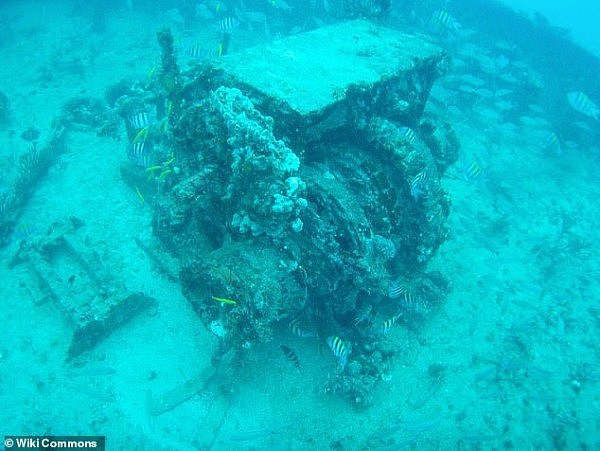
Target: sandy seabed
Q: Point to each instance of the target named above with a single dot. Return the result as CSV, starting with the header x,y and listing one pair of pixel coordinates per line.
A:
x,y
517,337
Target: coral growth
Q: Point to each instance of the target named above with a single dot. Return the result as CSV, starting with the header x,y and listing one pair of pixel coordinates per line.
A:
x,y
329,229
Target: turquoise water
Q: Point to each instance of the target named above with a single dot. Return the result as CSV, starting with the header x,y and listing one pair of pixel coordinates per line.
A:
x,y
364,317
578,18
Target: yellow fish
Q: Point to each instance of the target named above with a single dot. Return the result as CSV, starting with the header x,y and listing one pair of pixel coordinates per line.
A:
x,y
154,168
141,135
164,173
224,300
139,193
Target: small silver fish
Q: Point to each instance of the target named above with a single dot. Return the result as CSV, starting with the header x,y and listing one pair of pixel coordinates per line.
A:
x,y
339,349
280,4
582,103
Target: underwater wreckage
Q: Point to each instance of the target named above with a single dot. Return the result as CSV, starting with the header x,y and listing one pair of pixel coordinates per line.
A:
x,y
300,193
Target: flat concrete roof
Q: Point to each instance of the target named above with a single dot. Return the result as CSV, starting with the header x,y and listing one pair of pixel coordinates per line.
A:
x,y
310,71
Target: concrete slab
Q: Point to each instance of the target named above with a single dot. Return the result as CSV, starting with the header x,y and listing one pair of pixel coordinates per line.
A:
x,y
312,71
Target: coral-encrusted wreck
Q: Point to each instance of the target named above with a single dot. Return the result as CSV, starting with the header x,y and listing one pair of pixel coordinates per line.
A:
x,y
305,190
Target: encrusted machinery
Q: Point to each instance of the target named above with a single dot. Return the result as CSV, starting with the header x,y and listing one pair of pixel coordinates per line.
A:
x,y
300,186
63,267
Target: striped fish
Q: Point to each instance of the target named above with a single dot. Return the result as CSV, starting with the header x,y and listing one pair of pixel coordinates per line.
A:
x,y
407,135
291,355
417,185
582,103
139,154
227,25
138,149
199,51
552,144
139,120
413,305
441,21
419,179
471,172
397,289
408,298
339,349
299,330
317,312
388,324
